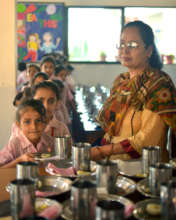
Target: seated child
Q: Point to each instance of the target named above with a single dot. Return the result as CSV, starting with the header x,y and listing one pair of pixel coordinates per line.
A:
x,y
39,77
31,122
47,65
48,93
61,112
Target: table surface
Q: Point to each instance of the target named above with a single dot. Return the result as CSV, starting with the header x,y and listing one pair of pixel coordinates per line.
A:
x,y
9,174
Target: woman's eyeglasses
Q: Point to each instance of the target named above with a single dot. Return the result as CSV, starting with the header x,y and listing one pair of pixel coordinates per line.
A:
x,y
130,45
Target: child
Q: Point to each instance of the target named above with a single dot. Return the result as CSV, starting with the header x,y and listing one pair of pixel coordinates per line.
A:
x,y
39,77
47,65
22,75
31,122
68,98
61,112
47,92
32,69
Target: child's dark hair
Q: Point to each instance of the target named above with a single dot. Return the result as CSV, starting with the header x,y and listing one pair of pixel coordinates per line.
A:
x,y
35,66
22,66
35,104
58,69
48,85
18,97
47,59
39,74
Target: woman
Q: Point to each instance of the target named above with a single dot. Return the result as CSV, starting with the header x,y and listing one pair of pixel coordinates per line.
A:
x,y
142,103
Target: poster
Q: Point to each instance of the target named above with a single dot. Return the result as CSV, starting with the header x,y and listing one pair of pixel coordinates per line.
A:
x,y
39,30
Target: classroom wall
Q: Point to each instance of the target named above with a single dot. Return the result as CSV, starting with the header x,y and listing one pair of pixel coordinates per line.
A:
x,y
7,68
84,73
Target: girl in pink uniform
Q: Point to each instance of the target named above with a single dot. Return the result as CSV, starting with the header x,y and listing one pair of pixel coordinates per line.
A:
x,y
31,138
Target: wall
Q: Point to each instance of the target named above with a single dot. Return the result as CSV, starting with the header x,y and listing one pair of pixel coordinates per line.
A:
x,y
105,74
7,67
86,74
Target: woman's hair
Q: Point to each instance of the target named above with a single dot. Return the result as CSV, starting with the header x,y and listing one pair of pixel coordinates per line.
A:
x,y
35,66
34,104
47,59
58,69
147,36
47,85
39,74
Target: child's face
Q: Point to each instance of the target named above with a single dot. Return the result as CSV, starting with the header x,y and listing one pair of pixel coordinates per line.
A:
x,y
31,124
63,74
38,80
31,72
48,68
32,38
49,100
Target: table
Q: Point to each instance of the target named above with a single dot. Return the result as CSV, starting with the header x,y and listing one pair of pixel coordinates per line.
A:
x,y
8,174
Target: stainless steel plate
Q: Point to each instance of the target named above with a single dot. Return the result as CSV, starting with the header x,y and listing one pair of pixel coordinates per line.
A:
x,y
48,186
173,163
129,205
53,185
140,211
143,187
67,164
41,204
125,186
130,168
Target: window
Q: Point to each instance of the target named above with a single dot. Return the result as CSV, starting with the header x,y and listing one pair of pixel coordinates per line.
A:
x,y
93,34
159,19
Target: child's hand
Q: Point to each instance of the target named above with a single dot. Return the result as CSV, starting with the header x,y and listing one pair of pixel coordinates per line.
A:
x,y
26,157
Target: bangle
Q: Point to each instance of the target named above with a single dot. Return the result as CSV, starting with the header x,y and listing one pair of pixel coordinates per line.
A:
x,y
112,148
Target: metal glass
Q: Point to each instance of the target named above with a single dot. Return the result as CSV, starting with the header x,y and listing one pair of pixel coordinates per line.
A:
x,y
150,155
168,200
109,210
83,200
106,175
158,174
63,147
81,156
22,198
27,170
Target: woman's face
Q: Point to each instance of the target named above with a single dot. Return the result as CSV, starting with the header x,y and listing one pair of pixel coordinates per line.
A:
x,y
48,68
134,57
49,100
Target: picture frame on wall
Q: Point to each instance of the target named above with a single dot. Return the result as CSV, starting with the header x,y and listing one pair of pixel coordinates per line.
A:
x,y
40,30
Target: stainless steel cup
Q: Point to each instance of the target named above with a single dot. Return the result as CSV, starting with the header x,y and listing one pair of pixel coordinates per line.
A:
x,y
158,174
22,198
150,155
168,200
109,210
81,156
63,147
83,199
27,170
106,175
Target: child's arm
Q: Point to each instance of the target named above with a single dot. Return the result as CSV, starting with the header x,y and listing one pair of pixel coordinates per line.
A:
x,y
24,157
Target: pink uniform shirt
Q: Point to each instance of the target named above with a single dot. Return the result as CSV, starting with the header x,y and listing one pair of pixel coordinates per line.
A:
x,y
18,145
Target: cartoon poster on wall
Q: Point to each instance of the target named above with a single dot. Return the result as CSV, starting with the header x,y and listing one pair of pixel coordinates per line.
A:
x,y
39,30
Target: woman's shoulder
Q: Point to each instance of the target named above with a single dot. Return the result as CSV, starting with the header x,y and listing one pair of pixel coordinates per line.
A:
x,y
160,78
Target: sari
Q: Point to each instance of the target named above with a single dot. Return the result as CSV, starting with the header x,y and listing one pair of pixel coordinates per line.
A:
x,y
149,96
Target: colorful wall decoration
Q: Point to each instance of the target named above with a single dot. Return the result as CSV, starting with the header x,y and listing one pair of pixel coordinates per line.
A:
x,y
39,30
